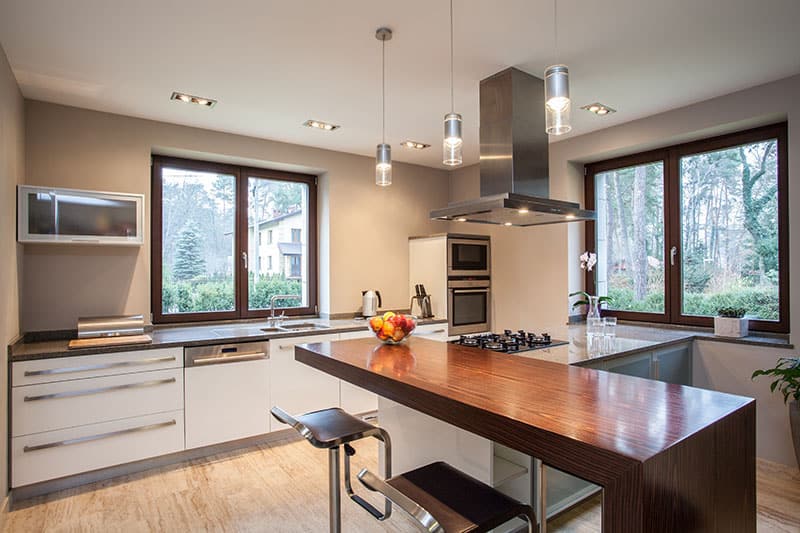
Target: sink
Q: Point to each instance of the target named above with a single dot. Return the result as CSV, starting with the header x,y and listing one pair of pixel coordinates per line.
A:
x,y
273,330
303,326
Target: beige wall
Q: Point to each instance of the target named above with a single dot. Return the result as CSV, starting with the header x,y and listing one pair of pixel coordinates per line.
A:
x,y
12,170
531,287
363,228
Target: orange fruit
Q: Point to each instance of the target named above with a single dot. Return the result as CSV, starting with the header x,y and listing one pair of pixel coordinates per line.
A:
x,y
376,323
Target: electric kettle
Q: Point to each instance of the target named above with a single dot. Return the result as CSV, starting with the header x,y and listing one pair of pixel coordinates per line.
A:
x,y
370,302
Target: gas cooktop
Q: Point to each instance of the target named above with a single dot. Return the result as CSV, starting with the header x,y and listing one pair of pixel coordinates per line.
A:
x,y
509,341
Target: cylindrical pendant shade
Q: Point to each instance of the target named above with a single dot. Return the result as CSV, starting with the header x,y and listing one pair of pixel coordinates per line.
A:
x,y
451,147
557,103
383,165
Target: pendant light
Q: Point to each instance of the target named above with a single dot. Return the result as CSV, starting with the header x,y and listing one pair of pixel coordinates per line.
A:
x,y
451,148
383,155
556,90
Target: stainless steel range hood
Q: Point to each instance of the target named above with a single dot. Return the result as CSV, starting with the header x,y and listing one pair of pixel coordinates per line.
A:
x,y
515,177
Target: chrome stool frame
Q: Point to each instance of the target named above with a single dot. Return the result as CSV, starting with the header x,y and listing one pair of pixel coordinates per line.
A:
x,y
320,437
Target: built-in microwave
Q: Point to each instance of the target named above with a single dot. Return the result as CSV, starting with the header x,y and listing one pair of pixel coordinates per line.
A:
x,y
468,256
469,301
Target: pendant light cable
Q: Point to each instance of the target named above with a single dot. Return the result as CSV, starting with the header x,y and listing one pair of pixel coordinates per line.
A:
x,y
452,98
383,91
555,28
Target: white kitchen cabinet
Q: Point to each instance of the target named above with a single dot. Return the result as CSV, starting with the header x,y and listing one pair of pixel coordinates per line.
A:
x,y
54,454
49,406
433,332
90,366
296,387
353,399
226,402
50,215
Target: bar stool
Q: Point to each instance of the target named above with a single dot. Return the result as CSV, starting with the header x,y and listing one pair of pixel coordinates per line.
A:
x,y
439,497
331,429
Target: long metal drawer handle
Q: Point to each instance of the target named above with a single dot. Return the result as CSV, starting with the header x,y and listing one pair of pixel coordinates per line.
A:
x,y
230,358
104,366
69,394
97,437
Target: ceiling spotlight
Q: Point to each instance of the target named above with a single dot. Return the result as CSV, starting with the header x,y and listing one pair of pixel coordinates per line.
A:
x,y
507,223
461,219
415,145
598,109
189,99
523,211
320,125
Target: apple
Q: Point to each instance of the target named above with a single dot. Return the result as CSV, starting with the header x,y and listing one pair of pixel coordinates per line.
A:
x,y
388,328
376,323
398,334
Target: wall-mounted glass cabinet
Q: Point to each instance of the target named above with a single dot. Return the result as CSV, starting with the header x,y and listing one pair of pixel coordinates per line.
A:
x,y
48,215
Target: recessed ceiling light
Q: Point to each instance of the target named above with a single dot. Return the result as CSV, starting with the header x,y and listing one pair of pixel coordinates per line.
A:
x,y
415,145
570,216
598,109
507,224
461,219
189,99
321,125
523,211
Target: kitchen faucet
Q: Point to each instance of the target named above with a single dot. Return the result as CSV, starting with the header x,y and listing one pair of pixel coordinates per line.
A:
x,y
273,319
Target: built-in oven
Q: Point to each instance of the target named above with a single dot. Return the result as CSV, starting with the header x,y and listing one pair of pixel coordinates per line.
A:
x,y
468,256
469,301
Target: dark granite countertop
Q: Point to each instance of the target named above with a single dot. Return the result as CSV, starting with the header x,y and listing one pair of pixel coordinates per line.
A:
x,y
190,335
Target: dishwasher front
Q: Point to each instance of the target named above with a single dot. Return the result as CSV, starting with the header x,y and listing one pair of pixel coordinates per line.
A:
x,y
226,392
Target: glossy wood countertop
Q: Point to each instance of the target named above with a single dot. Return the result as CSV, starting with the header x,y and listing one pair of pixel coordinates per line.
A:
x,y
583,409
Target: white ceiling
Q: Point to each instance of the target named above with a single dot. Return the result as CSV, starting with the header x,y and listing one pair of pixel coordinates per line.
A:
x,y
273,64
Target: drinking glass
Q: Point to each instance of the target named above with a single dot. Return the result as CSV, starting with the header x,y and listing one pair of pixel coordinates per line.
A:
x,y
594,334
609,333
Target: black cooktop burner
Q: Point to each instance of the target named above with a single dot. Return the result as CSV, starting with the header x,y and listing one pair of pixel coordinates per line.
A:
x,y
509,341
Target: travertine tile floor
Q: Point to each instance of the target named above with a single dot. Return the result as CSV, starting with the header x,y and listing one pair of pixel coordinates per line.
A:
x,y
282,487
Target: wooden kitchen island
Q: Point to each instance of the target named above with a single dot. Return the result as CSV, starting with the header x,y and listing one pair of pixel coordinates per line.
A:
x,y
669,458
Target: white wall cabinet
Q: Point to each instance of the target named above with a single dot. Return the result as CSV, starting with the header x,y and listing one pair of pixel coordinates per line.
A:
x,y
50,215
296,387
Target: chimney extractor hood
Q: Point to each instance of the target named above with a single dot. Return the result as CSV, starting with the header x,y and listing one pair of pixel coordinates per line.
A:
x,y
515,177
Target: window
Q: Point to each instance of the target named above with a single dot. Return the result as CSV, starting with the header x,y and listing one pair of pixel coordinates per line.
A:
x,y
269,263
683,231
295,266
295,234
207,221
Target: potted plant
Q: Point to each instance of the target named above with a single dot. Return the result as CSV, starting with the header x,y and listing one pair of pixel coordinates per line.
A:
x,y
593,303
730,322
787,374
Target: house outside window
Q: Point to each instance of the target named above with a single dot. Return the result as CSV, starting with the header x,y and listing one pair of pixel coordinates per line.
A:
x,y
295,234
689,229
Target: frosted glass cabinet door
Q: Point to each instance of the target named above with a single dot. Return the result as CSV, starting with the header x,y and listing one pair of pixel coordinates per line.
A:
x,y
74,216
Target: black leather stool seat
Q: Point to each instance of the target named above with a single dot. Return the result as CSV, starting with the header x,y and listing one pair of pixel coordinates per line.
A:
x,y
458,502
332,427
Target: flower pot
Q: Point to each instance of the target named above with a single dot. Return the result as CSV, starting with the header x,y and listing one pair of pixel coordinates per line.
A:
x,y
794,422
730,327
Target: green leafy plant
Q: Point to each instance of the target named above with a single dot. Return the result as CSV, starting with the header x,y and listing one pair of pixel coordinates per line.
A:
x,y
787,372
585,301
731,312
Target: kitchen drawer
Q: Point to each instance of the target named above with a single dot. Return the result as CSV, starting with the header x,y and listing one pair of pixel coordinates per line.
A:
x,y
55,454
51,406
89,366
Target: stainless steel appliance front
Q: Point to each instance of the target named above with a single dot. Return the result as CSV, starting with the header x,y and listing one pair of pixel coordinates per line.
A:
x,y
468,257
468,302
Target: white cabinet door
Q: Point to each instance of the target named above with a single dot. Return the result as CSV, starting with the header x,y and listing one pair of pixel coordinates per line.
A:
x,y
226,402
433,332
297,388
51,406
356,400
55,454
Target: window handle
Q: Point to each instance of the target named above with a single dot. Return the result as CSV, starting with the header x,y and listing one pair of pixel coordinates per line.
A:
x,y
244,260
672,253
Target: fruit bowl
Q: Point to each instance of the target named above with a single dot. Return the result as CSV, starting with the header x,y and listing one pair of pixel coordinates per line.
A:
x,y
392,328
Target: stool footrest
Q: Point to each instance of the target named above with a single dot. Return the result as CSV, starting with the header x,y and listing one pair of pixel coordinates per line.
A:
x,y
368,507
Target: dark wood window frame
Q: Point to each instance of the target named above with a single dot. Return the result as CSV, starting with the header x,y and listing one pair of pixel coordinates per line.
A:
x,y
241,174
670,156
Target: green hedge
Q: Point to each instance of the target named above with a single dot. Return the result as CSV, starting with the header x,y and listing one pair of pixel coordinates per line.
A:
x,y
759,302
200,295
